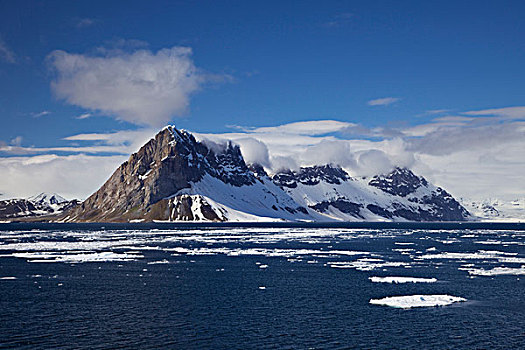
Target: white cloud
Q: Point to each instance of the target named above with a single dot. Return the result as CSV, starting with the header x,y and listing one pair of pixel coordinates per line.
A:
x,y
373,162
84,22
120,142
75,176
336,152
17,141
506,112
84,116
448,140
41,114
254,151
339,20
142,87
385,101
436,111
6,53
279,163
314,127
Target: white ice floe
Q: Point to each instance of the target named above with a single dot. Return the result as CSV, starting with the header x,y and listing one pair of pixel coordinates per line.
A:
x,y
366,265
392,279
276,252
479,255
410,301
78,258
497,271
493,242
164,261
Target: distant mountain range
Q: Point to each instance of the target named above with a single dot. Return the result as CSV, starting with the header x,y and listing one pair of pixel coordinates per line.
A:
x,y
496,209
174,177
43,204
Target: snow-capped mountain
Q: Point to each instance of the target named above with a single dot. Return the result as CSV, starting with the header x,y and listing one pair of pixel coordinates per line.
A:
x,y
38,205
496,209
47,199
399,195
174,177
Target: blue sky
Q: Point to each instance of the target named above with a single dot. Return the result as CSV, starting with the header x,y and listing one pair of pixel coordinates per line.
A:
x,y
255,64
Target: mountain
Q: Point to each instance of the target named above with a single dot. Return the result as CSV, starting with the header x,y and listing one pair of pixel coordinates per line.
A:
x,y
399,195
496,209
43,204
174,177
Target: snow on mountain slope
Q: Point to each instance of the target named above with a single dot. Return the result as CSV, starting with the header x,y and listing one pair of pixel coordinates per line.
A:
x,y
51,200
386,197
175,177
38,205
496,209
186,207
261,199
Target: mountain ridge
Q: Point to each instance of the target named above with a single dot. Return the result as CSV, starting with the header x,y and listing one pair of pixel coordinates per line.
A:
x,y
174,177
42,204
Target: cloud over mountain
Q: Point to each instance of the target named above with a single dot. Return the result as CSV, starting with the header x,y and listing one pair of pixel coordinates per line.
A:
x,y
141,87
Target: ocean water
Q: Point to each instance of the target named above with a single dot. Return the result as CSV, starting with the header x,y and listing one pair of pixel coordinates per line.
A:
x,y
239,287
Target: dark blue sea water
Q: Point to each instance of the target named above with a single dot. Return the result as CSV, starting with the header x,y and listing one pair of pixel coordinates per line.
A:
x,y
293,286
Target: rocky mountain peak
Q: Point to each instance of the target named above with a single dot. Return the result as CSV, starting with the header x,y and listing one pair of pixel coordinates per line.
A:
x,y
166,164
311,176
45,198
399,182
258,171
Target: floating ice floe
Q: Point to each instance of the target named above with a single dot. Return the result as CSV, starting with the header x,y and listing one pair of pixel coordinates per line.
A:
x,y
264,252
392,279
498,271
504,257
78,258
411,301
366,264
164,261
488,242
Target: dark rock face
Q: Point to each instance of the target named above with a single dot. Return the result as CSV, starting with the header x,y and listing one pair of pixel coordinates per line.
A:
x,y
380,211
342,205
438,206
258,171
311,176
13,208
179,209
443,207
163,166
427,205
230,167
400,182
